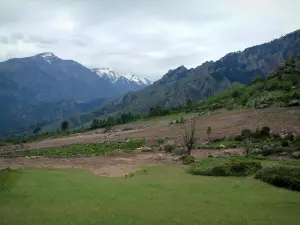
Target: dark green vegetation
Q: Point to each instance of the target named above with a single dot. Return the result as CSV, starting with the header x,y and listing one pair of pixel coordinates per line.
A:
x,y
181,85
93,149
261,142
287,177
112,121
233,167
163,195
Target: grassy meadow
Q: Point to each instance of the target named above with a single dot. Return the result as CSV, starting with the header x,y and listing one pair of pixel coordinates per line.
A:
x,y
161,195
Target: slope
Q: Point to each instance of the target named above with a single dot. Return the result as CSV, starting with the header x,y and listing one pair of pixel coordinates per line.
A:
x,y
180,85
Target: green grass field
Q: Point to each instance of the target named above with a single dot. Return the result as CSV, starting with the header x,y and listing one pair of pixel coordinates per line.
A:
x,y
163,195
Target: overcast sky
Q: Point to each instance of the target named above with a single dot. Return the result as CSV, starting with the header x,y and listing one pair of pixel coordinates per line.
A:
x,y
146,37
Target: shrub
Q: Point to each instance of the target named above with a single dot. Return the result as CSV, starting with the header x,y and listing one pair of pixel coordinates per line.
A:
x,y
186,160
246,133
284,143
233,168
280,176
181,119
265,131
238,138
160,140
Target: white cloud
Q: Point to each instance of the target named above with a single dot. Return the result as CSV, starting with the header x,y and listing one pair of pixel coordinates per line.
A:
x,y
140,36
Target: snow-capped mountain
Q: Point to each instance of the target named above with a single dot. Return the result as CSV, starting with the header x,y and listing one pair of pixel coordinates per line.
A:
x,y
127,81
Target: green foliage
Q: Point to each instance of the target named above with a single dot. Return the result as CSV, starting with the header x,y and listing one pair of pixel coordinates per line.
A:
x,y
64,125
187,159
93,149
37,130
232,168
160,140
265,131
277,89
246,133
181,119
158,111
208,132
280,176
112,121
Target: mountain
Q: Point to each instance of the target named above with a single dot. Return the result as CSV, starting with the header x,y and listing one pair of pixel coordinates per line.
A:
x,y
45,88
181,84
280,88
122,81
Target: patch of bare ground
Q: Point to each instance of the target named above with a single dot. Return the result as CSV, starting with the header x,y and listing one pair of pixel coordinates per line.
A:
x,y
110,166
226,124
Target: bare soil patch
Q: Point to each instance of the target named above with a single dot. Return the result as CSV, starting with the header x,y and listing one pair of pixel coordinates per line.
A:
x,y
110,166
224,124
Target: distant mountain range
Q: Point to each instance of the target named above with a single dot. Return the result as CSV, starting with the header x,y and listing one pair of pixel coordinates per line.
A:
x,y
123,81
45,88
181,84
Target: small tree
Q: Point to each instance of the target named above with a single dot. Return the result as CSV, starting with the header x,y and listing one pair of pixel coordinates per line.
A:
x,y
247,146
208,132
181,119
64,125
189,138
36,130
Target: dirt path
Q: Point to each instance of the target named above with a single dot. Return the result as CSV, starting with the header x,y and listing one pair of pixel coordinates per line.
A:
x,y
111,166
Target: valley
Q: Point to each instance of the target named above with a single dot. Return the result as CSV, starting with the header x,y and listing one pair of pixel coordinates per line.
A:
x,y
217,143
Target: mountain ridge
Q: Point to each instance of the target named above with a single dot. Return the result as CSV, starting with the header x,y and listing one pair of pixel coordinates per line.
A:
x,y
180,85
59,85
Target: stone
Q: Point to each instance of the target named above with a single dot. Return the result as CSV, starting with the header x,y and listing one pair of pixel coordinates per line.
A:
x,y
296,155
144,149
294,103
160,157
180,151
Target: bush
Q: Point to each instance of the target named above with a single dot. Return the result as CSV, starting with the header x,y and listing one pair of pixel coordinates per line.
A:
x,y
186,160
233,168
284,143
281,176
265,131
160,140
238,138
246,133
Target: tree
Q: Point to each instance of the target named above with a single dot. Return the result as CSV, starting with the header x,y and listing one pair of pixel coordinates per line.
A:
x,y
36,130
189,138
181,119
64,125
208,132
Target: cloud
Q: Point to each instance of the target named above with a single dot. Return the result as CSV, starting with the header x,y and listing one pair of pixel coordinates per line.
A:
x,y
144,37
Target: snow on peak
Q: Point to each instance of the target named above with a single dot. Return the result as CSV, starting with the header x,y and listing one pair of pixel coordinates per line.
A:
x,y
114,76
48,56
108,73
136,79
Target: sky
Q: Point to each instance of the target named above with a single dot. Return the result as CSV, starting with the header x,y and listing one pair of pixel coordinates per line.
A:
x,y
145,37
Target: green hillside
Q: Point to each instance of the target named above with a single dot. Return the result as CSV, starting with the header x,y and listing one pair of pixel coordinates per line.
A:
x,y
280,88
